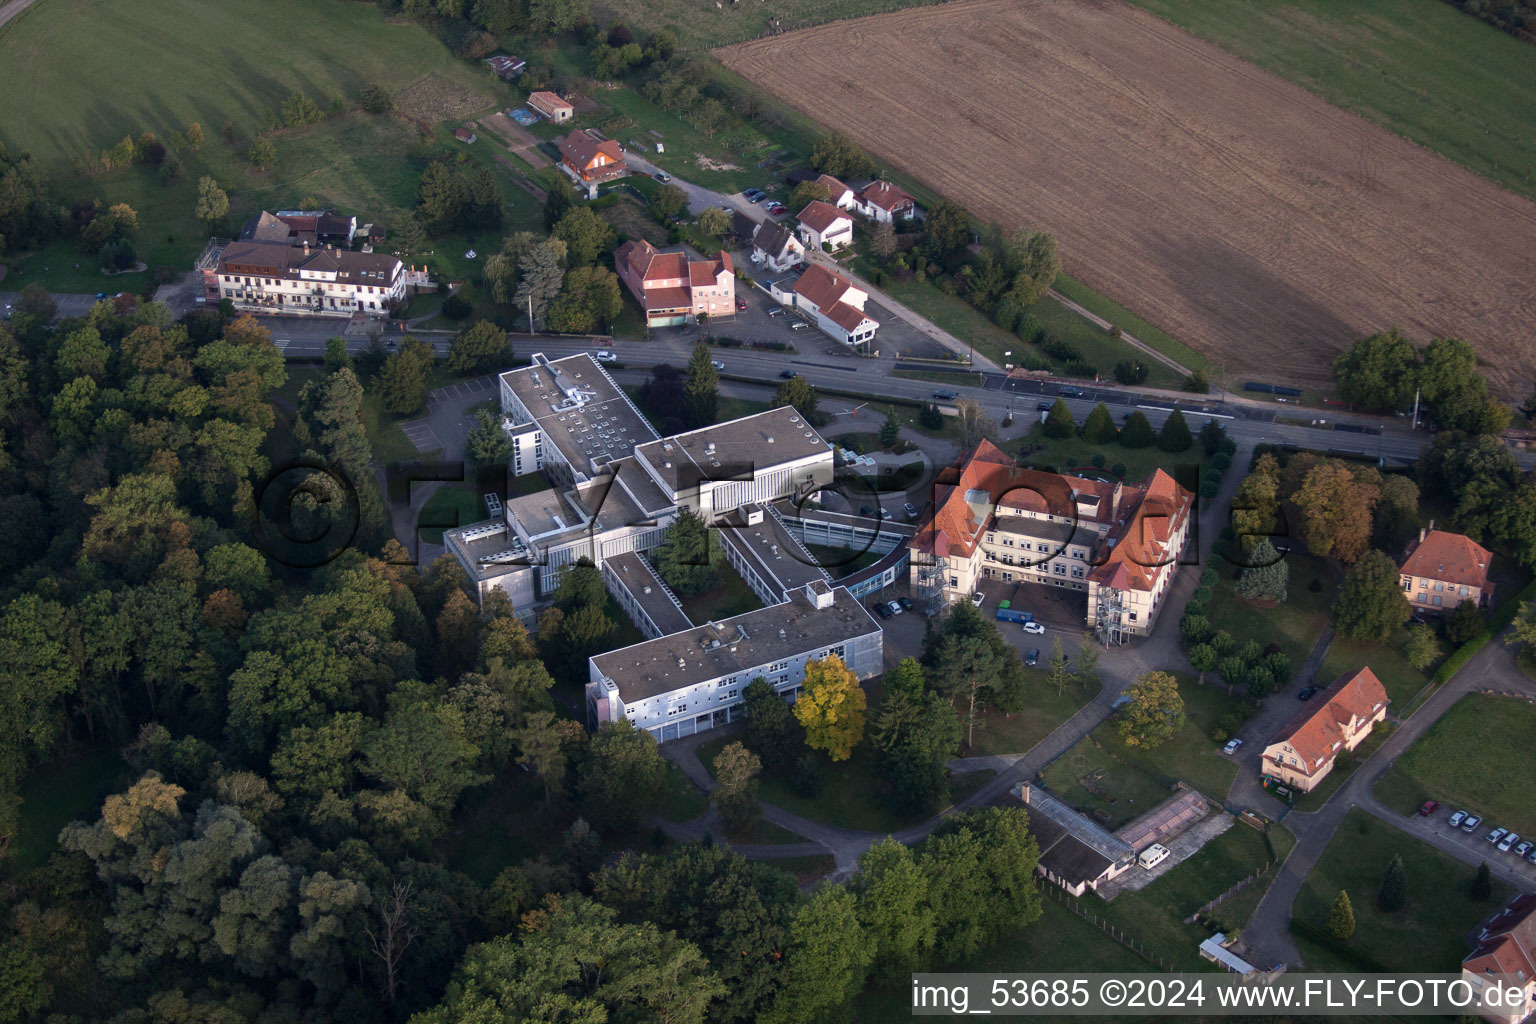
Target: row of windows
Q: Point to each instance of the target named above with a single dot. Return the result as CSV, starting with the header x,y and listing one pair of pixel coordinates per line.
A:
x,y
1439,586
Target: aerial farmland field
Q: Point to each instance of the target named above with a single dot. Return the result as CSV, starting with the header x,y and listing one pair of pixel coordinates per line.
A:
x,y
1240,212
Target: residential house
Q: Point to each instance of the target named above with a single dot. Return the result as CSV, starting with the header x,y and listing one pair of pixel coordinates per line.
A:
x,y
742,227
1117,543
823,225
274,277
590,160
835,305
551,107
883,202
1442,569
506,68
674,289
686,682
841,195
1505,953
1341,716
465,135
775,246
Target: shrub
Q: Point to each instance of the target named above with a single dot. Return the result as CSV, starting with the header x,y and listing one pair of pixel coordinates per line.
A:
x,y
1118,469
1209,489
1197,383
1060,348
1130,371
1080,368
1071,461
1098,460
456,307
1221,460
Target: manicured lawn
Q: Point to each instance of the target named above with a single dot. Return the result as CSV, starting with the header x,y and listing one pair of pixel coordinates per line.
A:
x,y
1427,934
957,378
1102,774
680,799
1478,757
388,441
1420,68
1058,941
731,597
1131,323
1044,710
1235,911
452,505
1402,680
56,794
1294,625
1038,450
1154,916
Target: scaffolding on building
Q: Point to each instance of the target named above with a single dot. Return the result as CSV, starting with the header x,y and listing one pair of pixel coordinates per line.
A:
x,y
932,575
1109,623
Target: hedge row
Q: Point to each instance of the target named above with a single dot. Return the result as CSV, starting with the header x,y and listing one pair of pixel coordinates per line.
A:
x,y
1501,617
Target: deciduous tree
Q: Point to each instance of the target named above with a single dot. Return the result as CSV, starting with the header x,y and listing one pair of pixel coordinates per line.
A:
x,y
212,202
1336,511
831,707
895,908
403,381
586,236
1154,713
1370,605
1422,648
735,794
836,154
826,961
589,301
620,776
481,347
773,732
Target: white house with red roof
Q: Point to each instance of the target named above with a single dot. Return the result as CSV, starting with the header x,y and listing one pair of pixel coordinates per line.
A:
x,y
883,202
1442,569
823,225
1117,543
674,289
840,195
1303,752
835,305
1506,953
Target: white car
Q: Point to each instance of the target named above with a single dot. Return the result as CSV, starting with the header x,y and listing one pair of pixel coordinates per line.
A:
x,y
894,607
605,357
1232,745
717,364
1034,627
977,598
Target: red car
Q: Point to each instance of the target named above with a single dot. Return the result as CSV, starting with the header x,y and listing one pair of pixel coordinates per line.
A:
x,y
1429,807
741,303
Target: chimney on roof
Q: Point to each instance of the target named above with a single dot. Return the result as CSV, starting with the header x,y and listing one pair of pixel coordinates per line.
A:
x,y
1421,534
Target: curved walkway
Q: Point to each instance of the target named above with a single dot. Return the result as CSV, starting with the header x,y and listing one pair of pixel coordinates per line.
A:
x,y
13,10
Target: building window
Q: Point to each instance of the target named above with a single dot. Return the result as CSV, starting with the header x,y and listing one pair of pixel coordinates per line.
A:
x,y
954,581
1420,599
1436,601
1059,569
1423,584
1439,586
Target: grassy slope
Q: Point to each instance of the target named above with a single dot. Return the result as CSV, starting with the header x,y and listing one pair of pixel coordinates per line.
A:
x,y
1420,68
1426,935
80,74
702,25
1478,757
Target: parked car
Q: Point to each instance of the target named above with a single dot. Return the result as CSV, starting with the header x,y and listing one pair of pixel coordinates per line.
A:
x,y
1531,856
977,598
905,602
894,607
1232,745
663,177
945,396
867,511
1306,693
1509,840
755,195
776,208
1032,657
1497,834
1034,628
880,609
717,364
741,304
777,311
1458,818
788,374
910,509
799,325
605,357
881,513
1524,848
1429,807
1045,406
1471,822
1070,392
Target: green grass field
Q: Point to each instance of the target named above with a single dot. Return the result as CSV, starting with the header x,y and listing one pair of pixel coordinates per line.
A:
x,y
1053,451
1419,68
1102,774
1294,625
1426,935
700,26
1402,680
1477,757
81,74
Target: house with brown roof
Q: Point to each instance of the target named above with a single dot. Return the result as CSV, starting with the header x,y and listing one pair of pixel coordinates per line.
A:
x,y
1505,952
550,107
835,305
775,247
465,135
823,225
275,277
883,202
841,196
1115,542
1441,570
1341,716
589,160
674,289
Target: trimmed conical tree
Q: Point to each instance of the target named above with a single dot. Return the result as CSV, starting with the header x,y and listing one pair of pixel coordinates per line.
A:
x,y
1394,888
1059,421
1175,436
1341,919
1099,427
1137,432
1267,577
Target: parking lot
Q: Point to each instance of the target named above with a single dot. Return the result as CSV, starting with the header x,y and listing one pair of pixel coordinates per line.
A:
x,y
1060,610
1476,842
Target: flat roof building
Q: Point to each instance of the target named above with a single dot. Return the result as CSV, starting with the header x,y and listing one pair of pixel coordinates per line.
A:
x,y
568,417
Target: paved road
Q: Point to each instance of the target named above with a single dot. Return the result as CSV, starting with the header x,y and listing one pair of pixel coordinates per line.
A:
x,y
13,9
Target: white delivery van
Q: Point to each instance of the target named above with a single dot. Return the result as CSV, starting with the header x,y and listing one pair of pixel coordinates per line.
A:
x,y
1152,856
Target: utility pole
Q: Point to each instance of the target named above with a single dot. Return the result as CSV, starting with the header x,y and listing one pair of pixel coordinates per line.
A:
x,y
530,312
1415,408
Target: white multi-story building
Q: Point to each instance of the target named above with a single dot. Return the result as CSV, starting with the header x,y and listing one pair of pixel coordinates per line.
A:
x,y
692,680
276,277
993,521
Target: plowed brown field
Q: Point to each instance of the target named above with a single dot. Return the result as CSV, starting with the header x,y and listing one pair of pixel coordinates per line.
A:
x,y
1235,210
